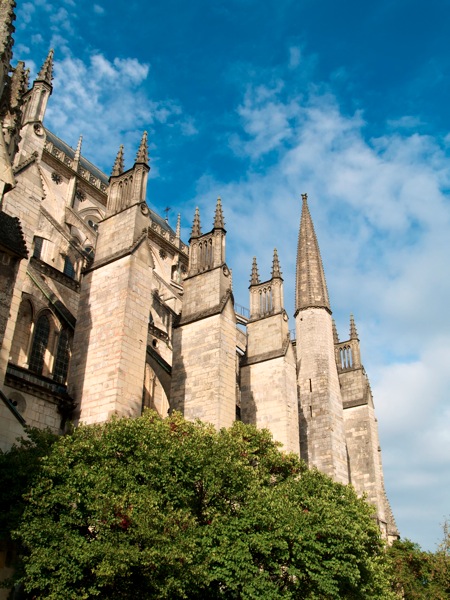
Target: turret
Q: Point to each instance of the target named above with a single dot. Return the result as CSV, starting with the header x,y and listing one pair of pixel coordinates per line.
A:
x,y
207,251
322,436
268,373
204,341
128,187
35,100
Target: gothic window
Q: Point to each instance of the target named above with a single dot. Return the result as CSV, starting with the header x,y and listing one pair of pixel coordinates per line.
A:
x,y
38,243
62,357
69,269
346,357
39,346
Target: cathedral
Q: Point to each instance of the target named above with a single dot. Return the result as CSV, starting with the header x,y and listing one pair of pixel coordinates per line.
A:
x,y
105,310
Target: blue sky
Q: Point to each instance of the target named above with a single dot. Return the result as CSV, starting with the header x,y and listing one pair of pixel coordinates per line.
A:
x,y
259,101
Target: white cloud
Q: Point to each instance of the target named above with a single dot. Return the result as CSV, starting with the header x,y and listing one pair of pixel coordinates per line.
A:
x,y
99,10
295,55
104,100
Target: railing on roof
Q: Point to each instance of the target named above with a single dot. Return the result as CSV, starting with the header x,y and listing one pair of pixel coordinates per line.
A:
x,y
242,310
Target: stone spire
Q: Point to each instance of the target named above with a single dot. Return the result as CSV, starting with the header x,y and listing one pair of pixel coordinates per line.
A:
x,y
196,227
118,166
142,153
276,271
46,72
218,217
310,286
335,333
254,278
353,332
178,229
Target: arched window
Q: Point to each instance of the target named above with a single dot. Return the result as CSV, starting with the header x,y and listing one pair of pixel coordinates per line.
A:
x,y
39,346
62,358
37,250
69,269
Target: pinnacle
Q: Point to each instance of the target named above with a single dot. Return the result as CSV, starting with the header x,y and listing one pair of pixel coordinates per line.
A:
x,y
196,227
276,271
142,153
19,84
7,16
353,332
118,166
46,72
78,149
254,278
218,217
178,229
311,288
335,332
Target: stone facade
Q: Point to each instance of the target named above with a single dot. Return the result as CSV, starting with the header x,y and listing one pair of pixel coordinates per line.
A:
x,y
105,310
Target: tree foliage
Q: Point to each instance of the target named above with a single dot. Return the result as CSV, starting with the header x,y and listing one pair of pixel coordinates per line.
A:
x,y
19,468
420,575
153,508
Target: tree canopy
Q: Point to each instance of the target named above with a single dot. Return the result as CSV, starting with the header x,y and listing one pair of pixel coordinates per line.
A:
x,y
165,508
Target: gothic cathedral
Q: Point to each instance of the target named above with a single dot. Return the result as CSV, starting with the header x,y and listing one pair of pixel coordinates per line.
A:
x,y
105,310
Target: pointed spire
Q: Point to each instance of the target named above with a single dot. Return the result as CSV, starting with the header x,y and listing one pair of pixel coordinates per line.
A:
x,y
310,286
142,153
46,72
78,150
118,163
353,332
218,217
26,80
196,227
178,229
276,271
254,278
335,332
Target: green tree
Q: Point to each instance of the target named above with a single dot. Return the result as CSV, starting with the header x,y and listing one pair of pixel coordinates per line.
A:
x,y
420,575
19,468
153,508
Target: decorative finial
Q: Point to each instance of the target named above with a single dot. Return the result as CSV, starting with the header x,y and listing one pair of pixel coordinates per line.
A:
x,y
254,278
196,228
178,229
335,333
118,167
142,153
218,217
304,197
276,271
353,332
46,72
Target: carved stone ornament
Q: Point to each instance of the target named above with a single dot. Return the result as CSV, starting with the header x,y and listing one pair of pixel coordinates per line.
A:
x,y
144,208
80,195
56,177
38,129
163,254
226,270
